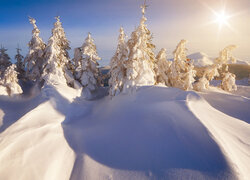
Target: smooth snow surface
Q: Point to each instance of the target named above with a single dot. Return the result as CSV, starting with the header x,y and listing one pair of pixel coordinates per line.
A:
x,y
155,133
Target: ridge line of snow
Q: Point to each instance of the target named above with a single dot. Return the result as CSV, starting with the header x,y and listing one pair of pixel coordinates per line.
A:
x,y
221,126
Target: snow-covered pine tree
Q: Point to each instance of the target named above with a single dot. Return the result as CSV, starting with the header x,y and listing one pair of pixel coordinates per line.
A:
x,y
226,55
56,67
228,81
117,69
202,84
20,64
141,59
35,57
10,81
182,71
209,74
162,68
87,70
4,60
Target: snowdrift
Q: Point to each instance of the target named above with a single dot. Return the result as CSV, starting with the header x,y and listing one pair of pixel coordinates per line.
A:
x,y
156,133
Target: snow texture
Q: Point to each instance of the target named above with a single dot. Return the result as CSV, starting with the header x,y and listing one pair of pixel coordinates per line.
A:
x,y
155,133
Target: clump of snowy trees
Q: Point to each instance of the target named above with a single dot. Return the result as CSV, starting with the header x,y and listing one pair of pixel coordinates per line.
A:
x,y
9,82
134,64
219,68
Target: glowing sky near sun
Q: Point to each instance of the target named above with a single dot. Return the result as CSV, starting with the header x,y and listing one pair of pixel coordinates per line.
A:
x,y
169,21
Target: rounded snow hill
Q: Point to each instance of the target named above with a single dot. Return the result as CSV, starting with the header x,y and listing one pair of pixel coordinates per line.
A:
x,y
155,133
200,59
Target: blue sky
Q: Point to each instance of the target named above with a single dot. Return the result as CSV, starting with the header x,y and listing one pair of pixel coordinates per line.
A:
x,y
169,21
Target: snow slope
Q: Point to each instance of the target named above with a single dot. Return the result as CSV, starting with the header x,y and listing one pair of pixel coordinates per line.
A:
x,y
156,133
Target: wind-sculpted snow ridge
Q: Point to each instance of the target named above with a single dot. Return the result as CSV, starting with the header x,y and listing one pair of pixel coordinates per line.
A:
x,y
231,134
156,133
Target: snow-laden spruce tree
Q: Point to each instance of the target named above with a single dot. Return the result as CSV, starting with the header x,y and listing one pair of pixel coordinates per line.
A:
x,y
209,74
35,57
226,55
10,81
202,84
117,69
141,58
87,70
182,71
162,68
228,79
20,68
55,68
4,60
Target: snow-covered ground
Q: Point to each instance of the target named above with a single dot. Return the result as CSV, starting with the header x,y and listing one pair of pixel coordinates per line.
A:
x,y
156,133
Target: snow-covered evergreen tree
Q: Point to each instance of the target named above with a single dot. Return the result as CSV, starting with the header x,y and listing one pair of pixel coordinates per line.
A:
x,y
87,70
20,64
4,60
202,84
141,59
182,71
209,74
162,68
10,81
228,82
117,69
226,55
35,58
56,67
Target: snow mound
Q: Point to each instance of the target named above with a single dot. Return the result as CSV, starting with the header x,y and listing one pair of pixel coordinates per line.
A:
x,y
156,133
200,59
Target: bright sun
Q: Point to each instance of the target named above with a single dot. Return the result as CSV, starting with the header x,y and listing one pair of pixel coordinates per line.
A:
x,y
222,19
